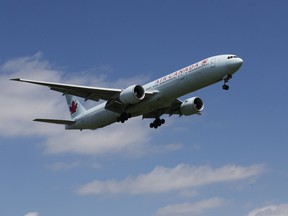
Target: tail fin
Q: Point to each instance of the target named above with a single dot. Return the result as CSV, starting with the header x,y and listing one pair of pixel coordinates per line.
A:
x,y
75,106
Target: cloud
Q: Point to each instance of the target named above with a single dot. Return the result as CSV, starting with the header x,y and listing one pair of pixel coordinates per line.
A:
x,y
113,139
272,210
163,179
32,214
190,208
21,103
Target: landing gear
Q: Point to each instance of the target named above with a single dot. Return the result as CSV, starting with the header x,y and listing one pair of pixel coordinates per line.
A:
x,y
157,123
225,87
124,117
226,80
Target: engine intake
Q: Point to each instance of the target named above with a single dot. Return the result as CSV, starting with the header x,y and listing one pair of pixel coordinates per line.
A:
x,y
192,106
133,94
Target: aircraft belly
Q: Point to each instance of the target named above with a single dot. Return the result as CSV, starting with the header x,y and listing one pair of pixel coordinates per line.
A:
x,y
156,102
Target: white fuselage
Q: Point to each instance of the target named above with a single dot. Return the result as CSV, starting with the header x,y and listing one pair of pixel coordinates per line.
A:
x,y
167,88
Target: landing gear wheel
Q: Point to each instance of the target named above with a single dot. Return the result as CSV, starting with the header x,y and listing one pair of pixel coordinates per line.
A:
x,y
225,87
124,117
226,80
157,123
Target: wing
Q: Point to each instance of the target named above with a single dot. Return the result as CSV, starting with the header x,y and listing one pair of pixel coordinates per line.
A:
x,y
110,95
86,92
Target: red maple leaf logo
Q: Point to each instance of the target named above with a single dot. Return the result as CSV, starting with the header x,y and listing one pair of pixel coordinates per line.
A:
x,y
73,107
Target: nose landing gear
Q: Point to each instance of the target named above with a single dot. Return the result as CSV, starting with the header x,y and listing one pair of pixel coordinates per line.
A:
x,y
157,123
226,80
225,87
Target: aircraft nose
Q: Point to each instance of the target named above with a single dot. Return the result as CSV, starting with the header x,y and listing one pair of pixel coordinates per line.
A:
x,y
234,63
238,62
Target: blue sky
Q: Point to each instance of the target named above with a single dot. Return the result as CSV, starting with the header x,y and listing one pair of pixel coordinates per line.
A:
x,y
232,160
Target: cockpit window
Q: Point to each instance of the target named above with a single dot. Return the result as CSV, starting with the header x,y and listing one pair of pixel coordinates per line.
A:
x,y
230,57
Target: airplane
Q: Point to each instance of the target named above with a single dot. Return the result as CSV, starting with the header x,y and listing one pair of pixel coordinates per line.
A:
x,y
151,100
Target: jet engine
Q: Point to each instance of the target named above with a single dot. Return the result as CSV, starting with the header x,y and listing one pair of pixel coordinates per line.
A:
x,y
191,106
133,94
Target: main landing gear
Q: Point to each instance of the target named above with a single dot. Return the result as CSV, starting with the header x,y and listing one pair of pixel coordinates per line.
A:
x,y
226,80
157,123
124,117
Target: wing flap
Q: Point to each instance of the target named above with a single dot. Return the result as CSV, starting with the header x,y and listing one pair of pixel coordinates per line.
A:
x,y
56,121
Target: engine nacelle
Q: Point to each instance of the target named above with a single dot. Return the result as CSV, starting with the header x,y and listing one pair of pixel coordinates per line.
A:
x,y
133,94
192,106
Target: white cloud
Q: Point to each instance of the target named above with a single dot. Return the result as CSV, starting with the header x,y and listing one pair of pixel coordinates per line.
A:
x,y
112,139
190,208
32,214
272,210
21,103
163,179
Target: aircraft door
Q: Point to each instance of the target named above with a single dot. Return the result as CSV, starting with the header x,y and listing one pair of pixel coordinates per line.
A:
x,y
213,62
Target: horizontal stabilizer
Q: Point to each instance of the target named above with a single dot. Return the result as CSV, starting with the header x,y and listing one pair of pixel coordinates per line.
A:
x,y
56,121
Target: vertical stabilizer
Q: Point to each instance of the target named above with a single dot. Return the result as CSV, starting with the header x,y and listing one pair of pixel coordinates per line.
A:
x,y
75,106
